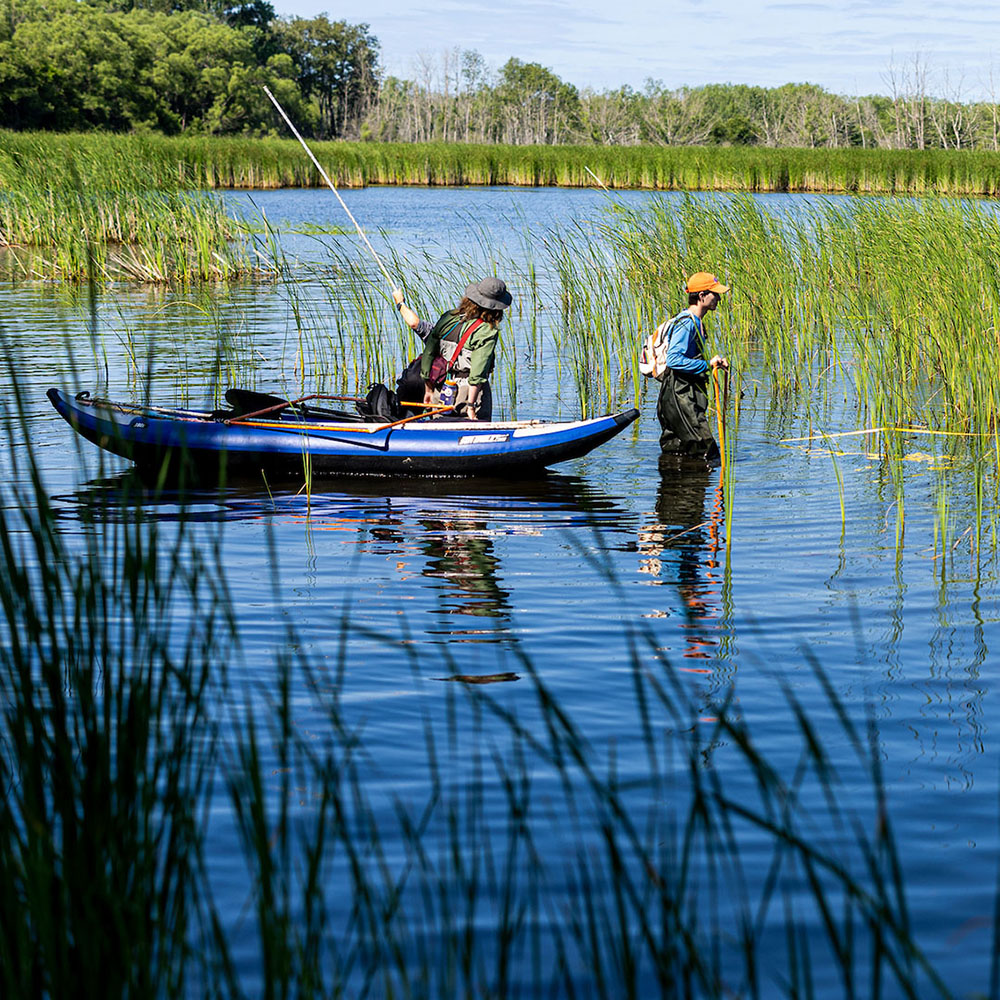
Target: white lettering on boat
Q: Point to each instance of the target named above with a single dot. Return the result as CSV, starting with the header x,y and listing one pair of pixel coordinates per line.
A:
x,y
483,438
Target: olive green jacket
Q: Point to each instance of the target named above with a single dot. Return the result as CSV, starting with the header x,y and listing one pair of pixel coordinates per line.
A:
x,y
479,349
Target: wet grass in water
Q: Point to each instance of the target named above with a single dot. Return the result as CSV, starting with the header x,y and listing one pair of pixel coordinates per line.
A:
x,y
899,301
138,235
602,877
70,210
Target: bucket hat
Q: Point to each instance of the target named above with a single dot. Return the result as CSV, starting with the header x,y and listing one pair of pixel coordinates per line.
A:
x,y
490,293
705,282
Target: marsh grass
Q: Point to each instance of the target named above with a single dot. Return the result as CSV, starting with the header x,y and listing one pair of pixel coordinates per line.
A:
x,y
207,162
137,235
69,210
528,860
107,750
827,288
893,304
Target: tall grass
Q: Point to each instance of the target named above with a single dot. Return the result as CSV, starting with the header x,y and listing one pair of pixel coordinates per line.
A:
x,y
204,162
528,861
901,297
70,211
135,235
107,748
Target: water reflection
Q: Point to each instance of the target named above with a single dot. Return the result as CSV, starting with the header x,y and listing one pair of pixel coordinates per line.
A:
x,y
461,552
552,499
452,534
686,527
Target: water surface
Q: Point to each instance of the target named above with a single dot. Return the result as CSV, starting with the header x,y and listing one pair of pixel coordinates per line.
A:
x,y
394,586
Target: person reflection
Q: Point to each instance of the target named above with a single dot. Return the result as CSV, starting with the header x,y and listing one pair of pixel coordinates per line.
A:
x,y
461,552
679,546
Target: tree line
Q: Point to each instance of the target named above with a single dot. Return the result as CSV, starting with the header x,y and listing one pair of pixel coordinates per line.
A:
x,y
199,66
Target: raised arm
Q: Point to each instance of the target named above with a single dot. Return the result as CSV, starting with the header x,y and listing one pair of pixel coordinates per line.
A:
x,y
410,318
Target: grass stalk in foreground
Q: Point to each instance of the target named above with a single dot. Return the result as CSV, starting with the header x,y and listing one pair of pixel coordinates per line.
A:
x,y
529,860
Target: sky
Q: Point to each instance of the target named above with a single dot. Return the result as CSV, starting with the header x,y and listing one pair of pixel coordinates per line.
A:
x,y
847,47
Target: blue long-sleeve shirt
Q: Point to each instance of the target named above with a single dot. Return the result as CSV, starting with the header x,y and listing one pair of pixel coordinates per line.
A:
x,y
686,352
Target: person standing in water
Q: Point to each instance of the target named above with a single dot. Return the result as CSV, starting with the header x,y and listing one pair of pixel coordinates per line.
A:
x,y
682,406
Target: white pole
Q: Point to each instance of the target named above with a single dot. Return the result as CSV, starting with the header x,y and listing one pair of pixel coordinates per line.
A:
x,y
585,167
330,184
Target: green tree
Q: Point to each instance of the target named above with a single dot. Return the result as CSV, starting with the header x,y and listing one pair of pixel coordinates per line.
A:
x,y
256,18
75,66
195,57
337,67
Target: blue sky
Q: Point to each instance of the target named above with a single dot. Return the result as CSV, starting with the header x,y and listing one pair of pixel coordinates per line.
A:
x,y
845,47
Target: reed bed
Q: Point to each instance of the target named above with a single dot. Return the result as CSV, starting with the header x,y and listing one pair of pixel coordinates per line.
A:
x,y
206,163
69,210
150,236
889,307
901,297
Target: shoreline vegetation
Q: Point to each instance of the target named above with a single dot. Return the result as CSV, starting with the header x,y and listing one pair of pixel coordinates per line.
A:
x,y
108,162
198,67
844,268
144,207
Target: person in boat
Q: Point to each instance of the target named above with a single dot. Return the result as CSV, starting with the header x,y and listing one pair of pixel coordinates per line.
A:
x,y
682,406
466,338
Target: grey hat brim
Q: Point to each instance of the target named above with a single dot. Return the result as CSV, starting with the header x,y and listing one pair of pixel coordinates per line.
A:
x,y
475,295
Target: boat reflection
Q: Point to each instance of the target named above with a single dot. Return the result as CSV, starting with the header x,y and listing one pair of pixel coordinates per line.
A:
x,y
443,531
679,547
461,552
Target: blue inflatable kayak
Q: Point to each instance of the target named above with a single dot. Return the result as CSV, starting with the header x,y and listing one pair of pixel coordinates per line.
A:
x,y
294,439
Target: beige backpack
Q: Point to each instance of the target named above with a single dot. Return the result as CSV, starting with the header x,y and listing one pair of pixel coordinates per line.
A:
x,y
653,353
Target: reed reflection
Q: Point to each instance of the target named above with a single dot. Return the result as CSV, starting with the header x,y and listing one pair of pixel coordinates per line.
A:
x,y
679,547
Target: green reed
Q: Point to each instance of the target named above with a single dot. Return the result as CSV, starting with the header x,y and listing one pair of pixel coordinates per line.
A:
x,y
107,745
898,300
209,162
138,235
68,208
831,288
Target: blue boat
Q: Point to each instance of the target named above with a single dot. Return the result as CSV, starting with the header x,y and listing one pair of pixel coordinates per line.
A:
x,y
292,439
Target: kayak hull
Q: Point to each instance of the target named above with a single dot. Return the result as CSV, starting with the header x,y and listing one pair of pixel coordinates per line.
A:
x,y
289,446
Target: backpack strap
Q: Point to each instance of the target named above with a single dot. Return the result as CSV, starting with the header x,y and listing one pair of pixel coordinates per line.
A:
x,y
475,325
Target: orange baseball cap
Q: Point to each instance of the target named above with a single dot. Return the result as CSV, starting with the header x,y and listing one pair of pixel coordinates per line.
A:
x,y
705,282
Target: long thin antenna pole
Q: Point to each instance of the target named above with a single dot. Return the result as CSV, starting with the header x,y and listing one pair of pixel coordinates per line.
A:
x,y
596,178
720,417
331,185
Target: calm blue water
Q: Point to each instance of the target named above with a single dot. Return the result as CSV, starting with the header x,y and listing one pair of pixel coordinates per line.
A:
x,y
604,566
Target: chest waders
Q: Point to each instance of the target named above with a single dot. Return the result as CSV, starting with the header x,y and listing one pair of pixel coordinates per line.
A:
x,y
682,409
